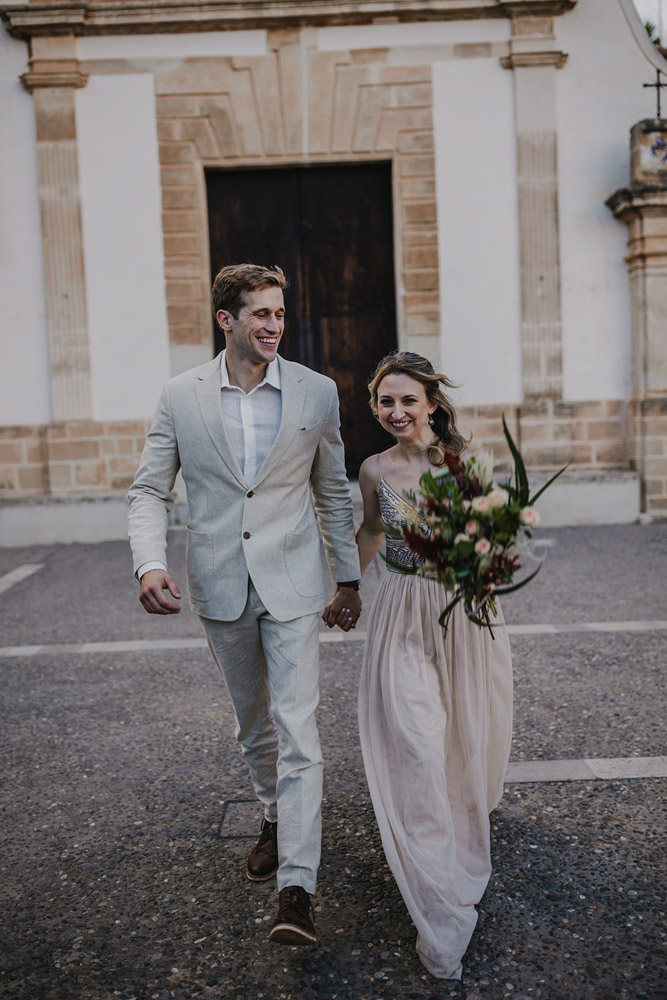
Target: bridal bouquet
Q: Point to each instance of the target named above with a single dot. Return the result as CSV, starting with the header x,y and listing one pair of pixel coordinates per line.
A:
x,y
467,531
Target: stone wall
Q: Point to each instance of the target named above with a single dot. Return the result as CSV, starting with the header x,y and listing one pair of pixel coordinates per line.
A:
x,y
88,458
74,458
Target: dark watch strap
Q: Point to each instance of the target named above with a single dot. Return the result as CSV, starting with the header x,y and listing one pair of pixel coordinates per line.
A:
x,y
351,583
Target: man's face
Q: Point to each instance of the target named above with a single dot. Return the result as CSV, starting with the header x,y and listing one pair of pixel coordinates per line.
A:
x,y
255,335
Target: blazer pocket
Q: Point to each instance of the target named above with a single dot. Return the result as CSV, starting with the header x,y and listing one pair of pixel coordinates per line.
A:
x,y
304,556
199,563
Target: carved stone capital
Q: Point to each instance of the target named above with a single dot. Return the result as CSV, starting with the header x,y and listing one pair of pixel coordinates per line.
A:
x,y
536,8
58,78
522,60
641,203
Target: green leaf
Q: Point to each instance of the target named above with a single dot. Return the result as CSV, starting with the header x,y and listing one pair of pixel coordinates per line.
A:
x,y
547,484
517,586
444,617
521,478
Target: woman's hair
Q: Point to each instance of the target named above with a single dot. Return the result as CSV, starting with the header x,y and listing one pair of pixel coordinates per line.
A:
x,y
447,436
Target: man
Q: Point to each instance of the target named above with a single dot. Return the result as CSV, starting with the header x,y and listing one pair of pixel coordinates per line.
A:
x,y
257,439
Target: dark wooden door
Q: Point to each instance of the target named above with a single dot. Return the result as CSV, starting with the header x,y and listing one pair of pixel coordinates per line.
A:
x,y
330,229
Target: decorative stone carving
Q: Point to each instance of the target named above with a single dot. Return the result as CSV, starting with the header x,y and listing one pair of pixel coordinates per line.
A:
x,y
643,207
294,105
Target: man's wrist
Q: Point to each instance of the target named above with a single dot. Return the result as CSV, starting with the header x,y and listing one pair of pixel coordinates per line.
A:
x,y
353,584
148,566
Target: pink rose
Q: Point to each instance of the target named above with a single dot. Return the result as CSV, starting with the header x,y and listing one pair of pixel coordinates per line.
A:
x,y
530,517
482,546
466,504
472,527
481,505
498,497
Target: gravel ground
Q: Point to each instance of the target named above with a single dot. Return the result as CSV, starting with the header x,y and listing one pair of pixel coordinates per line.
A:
x,y
117,880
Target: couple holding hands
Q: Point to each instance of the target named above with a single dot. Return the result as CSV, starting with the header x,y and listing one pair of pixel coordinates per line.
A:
x,y
257,439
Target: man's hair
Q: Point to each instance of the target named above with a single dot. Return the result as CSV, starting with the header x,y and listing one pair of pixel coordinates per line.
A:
x,y
232,282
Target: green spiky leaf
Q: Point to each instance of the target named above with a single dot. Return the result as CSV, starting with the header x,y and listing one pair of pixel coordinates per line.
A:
x,y
520,475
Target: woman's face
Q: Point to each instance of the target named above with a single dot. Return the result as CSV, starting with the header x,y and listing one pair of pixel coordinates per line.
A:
x,y
404,409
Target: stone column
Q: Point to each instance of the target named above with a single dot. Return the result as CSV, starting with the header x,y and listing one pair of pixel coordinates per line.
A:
x,y
534,60
53,78
643,207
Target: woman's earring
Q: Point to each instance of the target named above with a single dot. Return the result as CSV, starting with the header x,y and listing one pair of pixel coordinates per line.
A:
x,y
431,421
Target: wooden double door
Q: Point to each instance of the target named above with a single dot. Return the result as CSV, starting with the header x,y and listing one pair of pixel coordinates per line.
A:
x,y
330,229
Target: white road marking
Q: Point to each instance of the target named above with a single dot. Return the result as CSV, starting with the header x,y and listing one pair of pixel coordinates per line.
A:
x,y
657,625
356,635
17,575
589,769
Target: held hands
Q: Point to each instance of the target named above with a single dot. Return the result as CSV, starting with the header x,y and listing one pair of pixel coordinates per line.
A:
x,y
154,583
344,609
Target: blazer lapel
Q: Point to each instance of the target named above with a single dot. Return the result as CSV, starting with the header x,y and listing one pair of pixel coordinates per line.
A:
x,y
293,397
208,396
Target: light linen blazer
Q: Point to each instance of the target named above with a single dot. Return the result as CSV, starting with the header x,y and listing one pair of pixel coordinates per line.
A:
x,y
280,529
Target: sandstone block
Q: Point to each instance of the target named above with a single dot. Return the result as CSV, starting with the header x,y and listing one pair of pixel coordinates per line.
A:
x,y
72,451
31,478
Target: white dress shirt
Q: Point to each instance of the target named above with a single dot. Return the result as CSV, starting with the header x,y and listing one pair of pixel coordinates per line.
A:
x,y
252,421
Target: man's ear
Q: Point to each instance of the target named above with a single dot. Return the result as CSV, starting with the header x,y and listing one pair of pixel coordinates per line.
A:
x,y
224,319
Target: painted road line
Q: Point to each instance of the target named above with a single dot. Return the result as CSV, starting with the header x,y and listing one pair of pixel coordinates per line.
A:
x,y
356,635
588,769
17,575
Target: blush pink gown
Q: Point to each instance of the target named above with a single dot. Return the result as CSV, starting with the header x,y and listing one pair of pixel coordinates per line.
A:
x,y
435,718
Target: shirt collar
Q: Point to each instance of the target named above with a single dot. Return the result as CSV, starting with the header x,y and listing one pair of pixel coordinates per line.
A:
x,y
272,376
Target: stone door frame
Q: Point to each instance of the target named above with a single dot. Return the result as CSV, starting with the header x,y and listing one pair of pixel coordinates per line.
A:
x,y
296,106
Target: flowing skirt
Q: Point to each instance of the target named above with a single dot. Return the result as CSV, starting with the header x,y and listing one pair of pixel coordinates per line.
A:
x,y
435,718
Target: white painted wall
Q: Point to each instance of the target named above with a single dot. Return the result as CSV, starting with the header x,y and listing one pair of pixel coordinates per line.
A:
x,y
425,33
25,393
206,43
600,97
123,249
478,229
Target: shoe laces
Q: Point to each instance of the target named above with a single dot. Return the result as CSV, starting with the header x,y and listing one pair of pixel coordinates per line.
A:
x,y
295,895
266,833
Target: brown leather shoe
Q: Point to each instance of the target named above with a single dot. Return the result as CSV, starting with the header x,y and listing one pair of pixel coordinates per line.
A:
x,y
263,859
294,924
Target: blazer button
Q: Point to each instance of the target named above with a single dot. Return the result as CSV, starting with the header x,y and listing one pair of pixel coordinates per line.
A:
x,y
246,534
251,494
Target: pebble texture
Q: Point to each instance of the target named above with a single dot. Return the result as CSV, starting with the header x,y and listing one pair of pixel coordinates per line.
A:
x,y
118,879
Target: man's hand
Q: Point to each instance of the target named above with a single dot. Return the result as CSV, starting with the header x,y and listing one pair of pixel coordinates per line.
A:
x,y
344,609
154,583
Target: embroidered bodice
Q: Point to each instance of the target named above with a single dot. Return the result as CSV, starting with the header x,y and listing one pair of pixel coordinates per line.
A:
x,y
395,511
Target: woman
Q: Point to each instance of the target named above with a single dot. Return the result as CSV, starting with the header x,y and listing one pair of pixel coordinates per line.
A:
x,y
435,709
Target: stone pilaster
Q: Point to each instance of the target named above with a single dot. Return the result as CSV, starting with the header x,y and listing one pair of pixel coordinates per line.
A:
x,y
643,207
534,61
53,78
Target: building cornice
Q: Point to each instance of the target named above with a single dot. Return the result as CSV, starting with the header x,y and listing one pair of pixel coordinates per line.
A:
x,y
106,17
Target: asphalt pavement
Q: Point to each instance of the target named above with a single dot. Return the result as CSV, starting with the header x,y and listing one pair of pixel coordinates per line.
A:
x,y
127,813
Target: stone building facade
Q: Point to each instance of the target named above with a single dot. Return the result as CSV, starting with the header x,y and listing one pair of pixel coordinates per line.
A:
x,y
504,145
